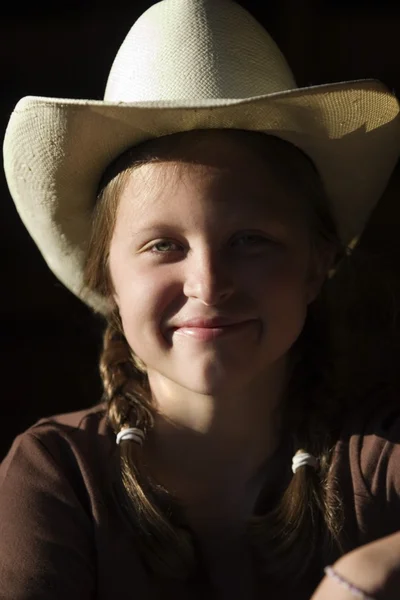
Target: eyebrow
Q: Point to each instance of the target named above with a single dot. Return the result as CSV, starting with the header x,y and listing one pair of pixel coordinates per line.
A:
x,y
155,226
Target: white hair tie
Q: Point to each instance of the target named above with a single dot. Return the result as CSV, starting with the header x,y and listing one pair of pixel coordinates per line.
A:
x,y
131,433
302,459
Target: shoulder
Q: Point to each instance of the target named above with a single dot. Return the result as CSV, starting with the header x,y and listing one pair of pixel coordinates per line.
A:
x,y
86,419
79,430
74,448
372,437
379,449
366,466
59,518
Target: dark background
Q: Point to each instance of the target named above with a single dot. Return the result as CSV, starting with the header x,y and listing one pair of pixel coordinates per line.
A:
x,y
49,340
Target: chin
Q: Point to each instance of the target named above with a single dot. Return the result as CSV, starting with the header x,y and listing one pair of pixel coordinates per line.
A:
x,y
213,381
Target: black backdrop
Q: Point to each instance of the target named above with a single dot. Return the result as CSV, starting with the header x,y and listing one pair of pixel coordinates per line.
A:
x,y
49,339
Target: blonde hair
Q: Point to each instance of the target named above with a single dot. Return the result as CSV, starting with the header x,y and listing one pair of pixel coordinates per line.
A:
x,y
308,516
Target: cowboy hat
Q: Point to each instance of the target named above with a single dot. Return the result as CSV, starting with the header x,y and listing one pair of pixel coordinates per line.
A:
x,y
184,65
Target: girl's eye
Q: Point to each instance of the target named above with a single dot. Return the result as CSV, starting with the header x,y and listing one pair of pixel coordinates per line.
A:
x,y
251,240
164,246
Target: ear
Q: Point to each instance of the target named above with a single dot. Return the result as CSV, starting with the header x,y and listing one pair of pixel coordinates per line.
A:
x,y
321,262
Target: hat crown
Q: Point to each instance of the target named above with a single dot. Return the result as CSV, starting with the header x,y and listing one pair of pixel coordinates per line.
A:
x,y
196,50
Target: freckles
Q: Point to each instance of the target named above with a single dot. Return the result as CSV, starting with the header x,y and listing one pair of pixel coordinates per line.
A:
x,y
289,268
274,273
150,298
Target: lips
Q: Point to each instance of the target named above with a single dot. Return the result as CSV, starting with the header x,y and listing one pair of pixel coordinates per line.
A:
x,y
203,322
206,329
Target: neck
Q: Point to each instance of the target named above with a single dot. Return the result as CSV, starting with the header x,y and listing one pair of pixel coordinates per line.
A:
x,y
210,447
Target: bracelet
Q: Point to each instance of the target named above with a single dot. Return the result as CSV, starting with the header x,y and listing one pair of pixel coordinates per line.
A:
x,y
330,572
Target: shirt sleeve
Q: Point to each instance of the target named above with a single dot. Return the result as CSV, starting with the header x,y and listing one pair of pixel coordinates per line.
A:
x,y
46,536
380,465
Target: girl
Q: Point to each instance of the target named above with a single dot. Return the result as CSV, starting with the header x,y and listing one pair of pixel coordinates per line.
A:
x,y
200,209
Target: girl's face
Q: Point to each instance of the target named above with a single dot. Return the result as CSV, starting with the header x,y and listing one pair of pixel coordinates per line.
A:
x,y
211,266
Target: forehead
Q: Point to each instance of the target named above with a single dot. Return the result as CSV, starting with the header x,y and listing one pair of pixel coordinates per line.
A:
x,y
224,169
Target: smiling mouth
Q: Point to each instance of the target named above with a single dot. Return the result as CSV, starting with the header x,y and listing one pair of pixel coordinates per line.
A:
x,y
213,332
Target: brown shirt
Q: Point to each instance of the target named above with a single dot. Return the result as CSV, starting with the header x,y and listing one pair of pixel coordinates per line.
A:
x,y
62,535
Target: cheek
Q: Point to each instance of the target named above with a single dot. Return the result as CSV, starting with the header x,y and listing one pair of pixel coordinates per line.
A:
x,y
284,279
284,296
145,299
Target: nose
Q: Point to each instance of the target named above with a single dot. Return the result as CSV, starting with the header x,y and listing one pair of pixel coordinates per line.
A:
x,y
208,279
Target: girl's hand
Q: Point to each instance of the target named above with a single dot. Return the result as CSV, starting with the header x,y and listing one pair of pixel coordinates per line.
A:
x,y
374,569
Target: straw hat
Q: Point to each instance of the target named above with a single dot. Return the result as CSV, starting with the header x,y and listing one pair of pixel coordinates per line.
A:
x,y
191,64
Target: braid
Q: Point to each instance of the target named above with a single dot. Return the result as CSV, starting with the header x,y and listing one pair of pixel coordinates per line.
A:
x,y
125,384
166,549
307,521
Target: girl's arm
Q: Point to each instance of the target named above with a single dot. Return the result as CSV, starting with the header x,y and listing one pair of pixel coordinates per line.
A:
x,y
373,568
375,457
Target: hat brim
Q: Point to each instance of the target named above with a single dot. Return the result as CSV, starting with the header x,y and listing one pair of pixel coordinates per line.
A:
x,y
56,150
